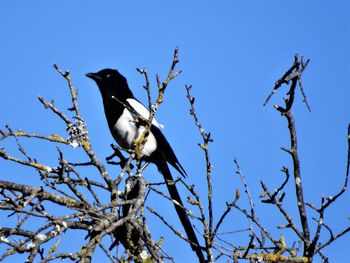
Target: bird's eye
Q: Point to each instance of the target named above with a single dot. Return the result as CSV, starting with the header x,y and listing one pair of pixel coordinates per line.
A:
x,y
108,76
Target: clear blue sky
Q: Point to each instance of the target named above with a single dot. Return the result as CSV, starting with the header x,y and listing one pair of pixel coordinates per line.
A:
x,y
232,52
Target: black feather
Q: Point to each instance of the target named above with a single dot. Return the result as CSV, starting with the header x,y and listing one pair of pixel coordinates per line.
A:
x,y
166,150
181,212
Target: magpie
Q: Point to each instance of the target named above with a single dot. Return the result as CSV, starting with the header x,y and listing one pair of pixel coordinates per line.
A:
x,y
122,110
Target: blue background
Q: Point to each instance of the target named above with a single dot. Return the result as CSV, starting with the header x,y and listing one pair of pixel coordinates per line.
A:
x,y
232,52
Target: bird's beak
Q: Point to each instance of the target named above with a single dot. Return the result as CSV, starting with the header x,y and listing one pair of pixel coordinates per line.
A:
x,y
93,76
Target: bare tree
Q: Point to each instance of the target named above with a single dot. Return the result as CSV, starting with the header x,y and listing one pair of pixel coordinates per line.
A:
x,y
68,201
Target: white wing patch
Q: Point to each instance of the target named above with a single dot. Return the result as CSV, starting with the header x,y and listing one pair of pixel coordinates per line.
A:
x,y
143,111
125,132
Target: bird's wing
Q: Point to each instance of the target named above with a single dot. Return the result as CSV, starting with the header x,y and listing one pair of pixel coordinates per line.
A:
x,y
163,145
167,152
143,111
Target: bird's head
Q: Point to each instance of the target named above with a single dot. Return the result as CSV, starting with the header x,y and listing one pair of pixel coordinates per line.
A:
x,y
111,83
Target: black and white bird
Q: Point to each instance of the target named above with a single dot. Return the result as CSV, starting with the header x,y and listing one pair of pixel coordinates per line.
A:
x,y
125,130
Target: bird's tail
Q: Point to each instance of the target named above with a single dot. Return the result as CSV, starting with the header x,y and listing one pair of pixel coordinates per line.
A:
x,y
185,221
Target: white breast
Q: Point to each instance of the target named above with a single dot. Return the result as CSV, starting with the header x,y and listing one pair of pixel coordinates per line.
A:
x,y
125,132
